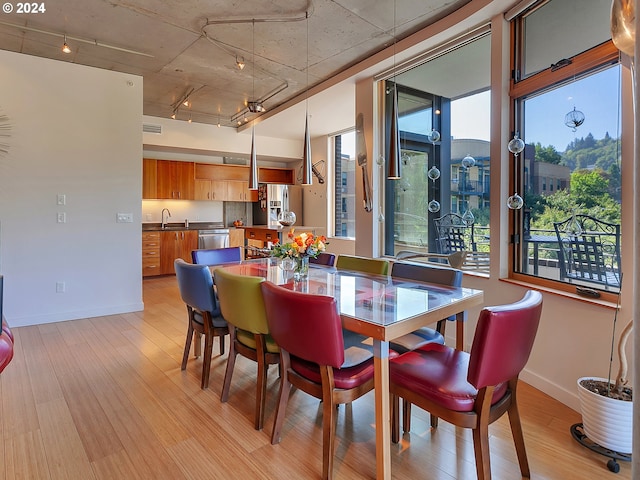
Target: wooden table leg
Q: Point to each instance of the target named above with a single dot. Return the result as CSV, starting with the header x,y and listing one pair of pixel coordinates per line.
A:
x,y
383,415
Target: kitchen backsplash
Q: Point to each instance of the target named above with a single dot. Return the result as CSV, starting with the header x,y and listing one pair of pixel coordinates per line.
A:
x,y
197,211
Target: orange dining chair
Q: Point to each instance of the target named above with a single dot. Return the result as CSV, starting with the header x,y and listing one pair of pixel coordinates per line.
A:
x,y
472,390
375,266
308,330
196,290
241,303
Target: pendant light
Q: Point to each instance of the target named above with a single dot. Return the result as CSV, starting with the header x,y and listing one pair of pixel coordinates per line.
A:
x,y
307,168
253,161
394,144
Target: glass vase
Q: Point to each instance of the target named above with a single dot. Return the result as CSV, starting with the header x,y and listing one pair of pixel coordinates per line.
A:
x,y
301,270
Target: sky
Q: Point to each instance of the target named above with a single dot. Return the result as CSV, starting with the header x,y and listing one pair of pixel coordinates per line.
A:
x,y
544,114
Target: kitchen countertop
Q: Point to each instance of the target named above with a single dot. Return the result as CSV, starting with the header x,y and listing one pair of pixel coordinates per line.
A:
x,y
172,227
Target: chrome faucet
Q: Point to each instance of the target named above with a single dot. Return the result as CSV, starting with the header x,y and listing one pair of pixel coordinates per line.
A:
x,y
163,221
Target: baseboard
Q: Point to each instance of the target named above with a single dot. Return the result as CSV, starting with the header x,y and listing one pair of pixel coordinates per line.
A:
x,y
17,321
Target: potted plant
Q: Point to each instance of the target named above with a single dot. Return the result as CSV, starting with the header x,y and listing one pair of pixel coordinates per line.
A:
x,y
607,408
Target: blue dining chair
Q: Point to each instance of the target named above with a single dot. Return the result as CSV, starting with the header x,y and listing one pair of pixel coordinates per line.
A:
x,y
196,290
216,256
323,258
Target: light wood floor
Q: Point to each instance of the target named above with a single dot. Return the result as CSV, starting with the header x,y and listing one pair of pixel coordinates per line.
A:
x,y
104,398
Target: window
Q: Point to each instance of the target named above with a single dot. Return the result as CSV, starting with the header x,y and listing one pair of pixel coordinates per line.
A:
x,y
344,154
448,94
569,118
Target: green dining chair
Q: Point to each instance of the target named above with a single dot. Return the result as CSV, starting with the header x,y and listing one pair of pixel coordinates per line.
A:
x,y
242,306
375,266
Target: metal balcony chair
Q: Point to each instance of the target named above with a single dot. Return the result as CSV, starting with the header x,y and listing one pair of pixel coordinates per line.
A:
x,y
453,234
589,250
472,390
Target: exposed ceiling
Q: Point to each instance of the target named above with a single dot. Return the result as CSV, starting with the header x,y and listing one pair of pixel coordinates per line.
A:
x,y
187,48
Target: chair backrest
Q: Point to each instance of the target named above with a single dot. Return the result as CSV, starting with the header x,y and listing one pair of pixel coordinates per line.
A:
x,y
454,234
241,300
216,256
589,249
374,266
196,286
323,258
422,272
503,340
307,326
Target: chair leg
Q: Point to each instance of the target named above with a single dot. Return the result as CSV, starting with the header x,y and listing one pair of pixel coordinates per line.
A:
x,y
221,340
481,434
197,348
283,400
206,360
518,438
187,347
261,384
329,415
406,415
228,373
395,418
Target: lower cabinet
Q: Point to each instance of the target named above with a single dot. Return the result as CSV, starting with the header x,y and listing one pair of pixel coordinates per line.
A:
x,y
150,254
176,244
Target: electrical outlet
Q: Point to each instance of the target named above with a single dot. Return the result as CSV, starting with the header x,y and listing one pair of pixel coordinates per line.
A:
x,y
60,287
124,218
62,217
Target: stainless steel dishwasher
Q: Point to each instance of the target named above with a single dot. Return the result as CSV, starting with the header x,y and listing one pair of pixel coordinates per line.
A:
x,y
215,238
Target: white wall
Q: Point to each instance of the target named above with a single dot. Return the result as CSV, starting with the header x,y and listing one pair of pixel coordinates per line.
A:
x,y
75,131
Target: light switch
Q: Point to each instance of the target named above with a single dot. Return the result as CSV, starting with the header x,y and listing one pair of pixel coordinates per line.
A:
x,y
124,218
62,217
61,199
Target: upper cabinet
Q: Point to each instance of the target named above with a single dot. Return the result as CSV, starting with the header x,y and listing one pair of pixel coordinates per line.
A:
x,y
149,178
174,180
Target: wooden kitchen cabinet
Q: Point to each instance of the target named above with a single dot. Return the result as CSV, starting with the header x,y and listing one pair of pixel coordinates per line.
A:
x,y
176,244
149,178
151,254
175,180
210,190
236,237
238,191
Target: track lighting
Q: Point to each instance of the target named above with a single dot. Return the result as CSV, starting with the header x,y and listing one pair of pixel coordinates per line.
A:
x,y
256,107
240,63
65,47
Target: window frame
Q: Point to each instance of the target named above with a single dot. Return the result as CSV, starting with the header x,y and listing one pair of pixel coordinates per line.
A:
x,y
596,58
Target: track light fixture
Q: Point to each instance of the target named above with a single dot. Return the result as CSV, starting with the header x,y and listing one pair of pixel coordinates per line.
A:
x,y
240,63
256,107
65,47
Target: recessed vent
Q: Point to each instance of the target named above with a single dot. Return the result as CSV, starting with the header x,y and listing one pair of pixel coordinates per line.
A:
x,y
151,128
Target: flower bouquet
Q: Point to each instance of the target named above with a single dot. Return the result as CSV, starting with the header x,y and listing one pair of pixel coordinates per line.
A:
x,y
296,251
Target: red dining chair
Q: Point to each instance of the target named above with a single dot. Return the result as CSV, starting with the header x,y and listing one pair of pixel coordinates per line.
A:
x,y
196,290
472,390
423,272
6,337
308,330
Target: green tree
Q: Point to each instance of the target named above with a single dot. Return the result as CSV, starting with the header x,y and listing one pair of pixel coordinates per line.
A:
x,y
589,187
547,154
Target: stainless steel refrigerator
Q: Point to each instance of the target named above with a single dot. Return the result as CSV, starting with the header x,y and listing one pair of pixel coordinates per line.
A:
x,y
272,199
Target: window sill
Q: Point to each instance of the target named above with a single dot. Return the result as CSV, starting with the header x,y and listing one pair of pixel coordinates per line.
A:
x,y
602,302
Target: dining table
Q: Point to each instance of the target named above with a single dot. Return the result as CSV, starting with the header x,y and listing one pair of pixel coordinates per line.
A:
x,y
380,307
